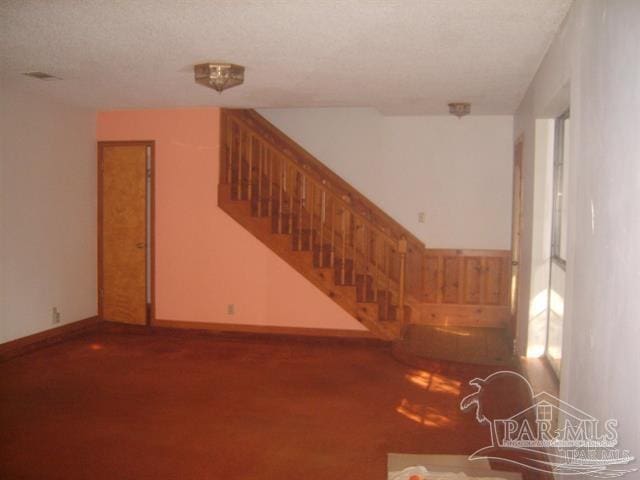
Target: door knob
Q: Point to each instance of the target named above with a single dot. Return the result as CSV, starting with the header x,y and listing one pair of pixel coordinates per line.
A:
x,y
140,245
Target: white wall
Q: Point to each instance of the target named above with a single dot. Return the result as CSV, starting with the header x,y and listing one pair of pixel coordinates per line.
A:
x,y
48,214
456,171
596,51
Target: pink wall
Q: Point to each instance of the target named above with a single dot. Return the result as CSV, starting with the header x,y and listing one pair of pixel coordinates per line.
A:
x,y
204,260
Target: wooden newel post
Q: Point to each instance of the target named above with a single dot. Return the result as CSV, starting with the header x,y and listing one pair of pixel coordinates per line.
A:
x,y
402,250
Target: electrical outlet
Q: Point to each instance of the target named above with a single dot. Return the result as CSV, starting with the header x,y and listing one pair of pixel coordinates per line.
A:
x,y
231,309
422,217
55,315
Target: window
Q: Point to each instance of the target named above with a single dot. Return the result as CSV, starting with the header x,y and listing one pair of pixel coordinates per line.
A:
x,y
558,263
560,184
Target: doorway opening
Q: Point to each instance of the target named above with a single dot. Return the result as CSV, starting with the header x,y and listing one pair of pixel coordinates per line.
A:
x,y
516,235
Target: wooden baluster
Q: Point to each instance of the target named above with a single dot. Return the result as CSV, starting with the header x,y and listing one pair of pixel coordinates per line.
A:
x,y
322,215
283,179
402,250
270,163
344,245
376,271
250,172
301,193
229,151
236,161
354,235
332,255
291,173
260,162
387,262
363,246
240,152
383,272
311,207
367,258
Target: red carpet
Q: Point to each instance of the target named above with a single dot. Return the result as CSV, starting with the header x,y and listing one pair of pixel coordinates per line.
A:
x,y
126,404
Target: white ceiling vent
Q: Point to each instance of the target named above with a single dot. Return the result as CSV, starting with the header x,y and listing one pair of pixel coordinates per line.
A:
x,y
41,76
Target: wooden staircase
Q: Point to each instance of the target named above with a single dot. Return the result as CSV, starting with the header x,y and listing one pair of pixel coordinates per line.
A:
x,y
319,224
355,253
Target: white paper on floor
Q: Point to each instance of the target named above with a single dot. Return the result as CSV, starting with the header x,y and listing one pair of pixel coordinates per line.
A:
x,y
421,473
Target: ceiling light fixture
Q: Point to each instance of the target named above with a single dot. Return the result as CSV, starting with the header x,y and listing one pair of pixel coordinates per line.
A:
x,y
459,109
219,76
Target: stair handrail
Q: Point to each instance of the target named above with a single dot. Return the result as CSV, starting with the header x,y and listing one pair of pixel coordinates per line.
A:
x,y
284,144
344,199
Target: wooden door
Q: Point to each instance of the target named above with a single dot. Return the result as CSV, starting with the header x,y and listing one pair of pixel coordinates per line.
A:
x,y
516,232
122,212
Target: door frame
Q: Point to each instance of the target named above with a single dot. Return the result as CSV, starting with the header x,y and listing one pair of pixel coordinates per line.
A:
x,y
151,222
516,234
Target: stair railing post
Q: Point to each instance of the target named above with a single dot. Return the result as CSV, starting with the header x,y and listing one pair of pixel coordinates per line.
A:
x,y
402,250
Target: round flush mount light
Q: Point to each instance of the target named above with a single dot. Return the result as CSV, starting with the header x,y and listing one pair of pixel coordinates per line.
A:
x,y
219,76
459,109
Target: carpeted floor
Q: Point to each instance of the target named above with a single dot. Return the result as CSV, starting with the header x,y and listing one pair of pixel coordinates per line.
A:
x,y
137,404
474,345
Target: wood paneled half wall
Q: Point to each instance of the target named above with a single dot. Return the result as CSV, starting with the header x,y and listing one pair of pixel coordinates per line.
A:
x,y
466,287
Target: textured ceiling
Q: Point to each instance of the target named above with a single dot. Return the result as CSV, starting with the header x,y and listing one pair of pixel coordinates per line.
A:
x,y
402,57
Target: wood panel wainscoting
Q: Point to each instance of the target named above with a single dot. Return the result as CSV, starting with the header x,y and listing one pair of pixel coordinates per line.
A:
x,y
38,340
466,288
